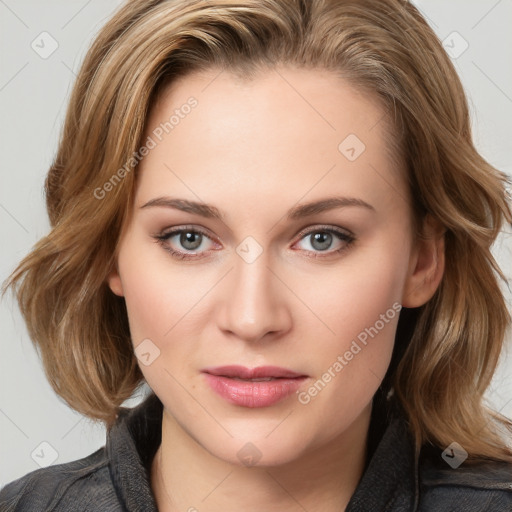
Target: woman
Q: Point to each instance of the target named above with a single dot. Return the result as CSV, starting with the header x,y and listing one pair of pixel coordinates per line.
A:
x,y
271,212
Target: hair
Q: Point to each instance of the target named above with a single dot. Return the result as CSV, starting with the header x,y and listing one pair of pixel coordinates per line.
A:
x,y
449,348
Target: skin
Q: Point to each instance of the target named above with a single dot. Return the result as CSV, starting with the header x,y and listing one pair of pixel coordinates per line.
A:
x,y
255,149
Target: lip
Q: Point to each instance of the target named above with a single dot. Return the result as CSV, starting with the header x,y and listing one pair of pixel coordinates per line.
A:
x,y
234,385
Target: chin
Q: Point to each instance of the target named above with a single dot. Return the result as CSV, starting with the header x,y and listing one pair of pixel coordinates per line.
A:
x,y
268,447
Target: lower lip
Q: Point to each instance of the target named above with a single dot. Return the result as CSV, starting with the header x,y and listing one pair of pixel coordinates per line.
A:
x,y
253,393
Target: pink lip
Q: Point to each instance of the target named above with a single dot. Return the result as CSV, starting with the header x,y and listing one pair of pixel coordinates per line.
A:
x,y
225,381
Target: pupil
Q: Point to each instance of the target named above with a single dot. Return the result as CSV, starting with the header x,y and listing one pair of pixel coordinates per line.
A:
x,y
187,240
324,240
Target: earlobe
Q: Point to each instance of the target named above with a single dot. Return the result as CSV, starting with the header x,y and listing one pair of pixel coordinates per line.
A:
x,y
114,282
426,265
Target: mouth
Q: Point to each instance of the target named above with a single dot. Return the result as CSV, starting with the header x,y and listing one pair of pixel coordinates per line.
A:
x,y
262,386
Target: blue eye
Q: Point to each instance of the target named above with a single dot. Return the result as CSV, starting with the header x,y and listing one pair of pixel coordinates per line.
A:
x,y
322,239
190,239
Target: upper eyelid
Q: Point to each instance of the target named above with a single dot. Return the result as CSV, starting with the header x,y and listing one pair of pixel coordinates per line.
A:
x,y
167,233
324,227
173,231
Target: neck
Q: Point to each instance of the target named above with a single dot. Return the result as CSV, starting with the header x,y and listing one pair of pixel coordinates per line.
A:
x,y
185,476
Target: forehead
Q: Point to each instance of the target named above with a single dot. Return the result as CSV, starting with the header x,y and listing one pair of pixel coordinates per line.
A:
x,y
284,127
328,103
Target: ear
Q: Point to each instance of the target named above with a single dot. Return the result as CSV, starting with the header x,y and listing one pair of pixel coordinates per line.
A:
x,y
114,281
426,265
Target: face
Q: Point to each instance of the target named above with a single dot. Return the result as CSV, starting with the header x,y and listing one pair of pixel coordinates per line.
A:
x,y
262,278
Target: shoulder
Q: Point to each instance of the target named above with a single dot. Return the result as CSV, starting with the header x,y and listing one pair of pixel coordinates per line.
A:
x,y
84,485
469,487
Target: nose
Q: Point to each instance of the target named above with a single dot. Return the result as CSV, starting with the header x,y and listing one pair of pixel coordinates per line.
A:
x,y
253,303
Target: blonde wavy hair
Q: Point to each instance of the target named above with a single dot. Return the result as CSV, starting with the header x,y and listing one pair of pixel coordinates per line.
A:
x,y
446,351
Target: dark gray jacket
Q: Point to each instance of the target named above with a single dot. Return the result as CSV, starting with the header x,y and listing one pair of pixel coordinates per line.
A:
x,y
116,477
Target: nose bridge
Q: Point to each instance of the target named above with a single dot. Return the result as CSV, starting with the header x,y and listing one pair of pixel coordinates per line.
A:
x,y
254,304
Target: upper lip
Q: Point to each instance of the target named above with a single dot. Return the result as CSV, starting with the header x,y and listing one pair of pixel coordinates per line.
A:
x,y
243,372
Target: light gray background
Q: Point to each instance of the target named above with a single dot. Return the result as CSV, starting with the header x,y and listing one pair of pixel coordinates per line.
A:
x,y
34,92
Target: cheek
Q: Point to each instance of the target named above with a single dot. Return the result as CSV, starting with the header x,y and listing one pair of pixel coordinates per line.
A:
x,y
360,306
154,298
361,329
149,309
349,370
353,297
166,305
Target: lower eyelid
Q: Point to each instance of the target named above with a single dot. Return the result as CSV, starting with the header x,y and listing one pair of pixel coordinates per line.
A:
x,y
343,237
167,236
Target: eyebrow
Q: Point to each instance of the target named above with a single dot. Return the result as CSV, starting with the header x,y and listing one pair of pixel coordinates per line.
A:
x,y
295,213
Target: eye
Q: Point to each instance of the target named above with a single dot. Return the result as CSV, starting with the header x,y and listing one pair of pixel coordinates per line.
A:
x,y
322,238
189,242
187,238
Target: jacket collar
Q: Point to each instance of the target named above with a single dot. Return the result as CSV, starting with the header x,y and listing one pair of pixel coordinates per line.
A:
x,y
131,445
390,481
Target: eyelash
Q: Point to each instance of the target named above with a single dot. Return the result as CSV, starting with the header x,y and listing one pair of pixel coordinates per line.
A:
x,y
343,236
